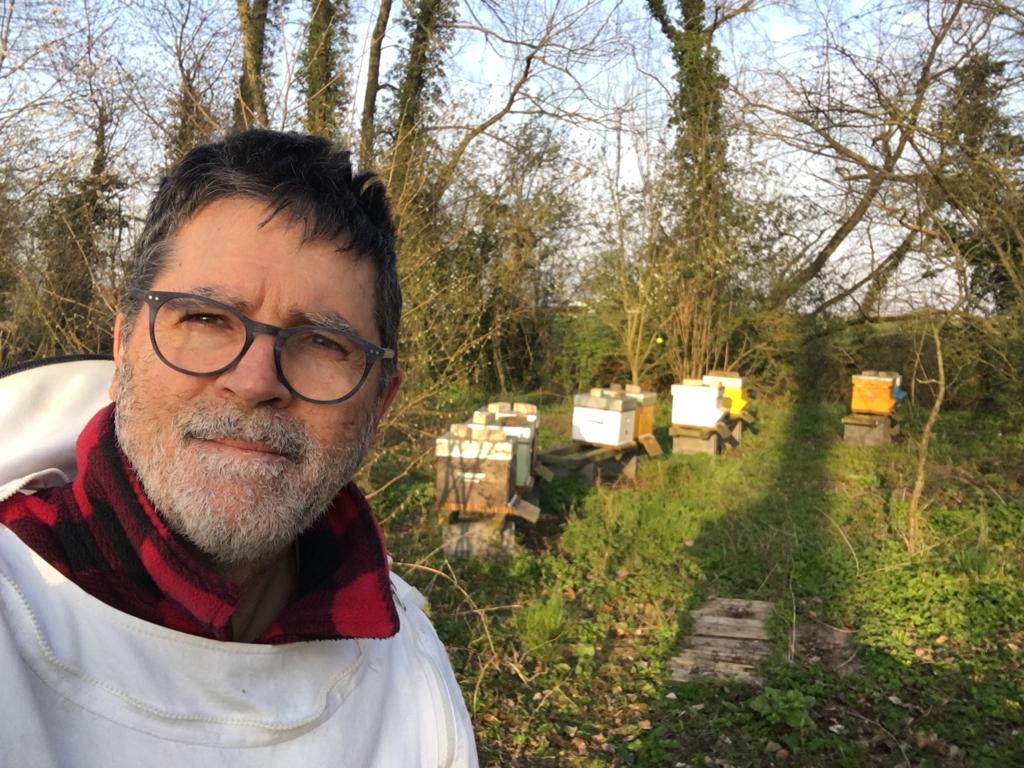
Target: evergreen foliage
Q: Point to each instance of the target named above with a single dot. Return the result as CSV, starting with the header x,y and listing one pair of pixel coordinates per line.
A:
x,y
322,73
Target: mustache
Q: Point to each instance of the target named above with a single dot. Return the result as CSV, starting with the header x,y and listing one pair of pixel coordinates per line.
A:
x,y
283,435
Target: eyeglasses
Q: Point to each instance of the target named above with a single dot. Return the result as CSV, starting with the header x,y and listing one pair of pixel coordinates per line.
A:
x,y
204,337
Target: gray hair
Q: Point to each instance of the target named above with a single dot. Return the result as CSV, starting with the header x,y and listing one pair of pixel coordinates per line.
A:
x,y
307,178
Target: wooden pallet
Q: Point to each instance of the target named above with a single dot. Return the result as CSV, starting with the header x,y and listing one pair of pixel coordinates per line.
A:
x,y
728,641
596,463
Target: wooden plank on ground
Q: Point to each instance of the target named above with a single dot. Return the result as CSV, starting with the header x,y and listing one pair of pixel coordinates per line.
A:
x,y
688,666
522,508
738,609
729,639
543,472
650,444
729,648
725,626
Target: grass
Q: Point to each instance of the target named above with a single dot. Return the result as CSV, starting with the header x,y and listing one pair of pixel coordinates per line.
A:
x,y
562,649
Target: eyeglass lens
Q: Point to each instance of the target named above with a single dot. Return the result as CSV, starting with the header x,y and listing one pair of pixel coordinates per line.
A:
x,y
202,338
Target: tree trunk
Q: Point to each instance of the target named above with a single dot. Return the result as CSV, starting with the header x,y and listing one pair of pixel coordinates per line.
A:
x,y
411,94
367,128
322,75
251,99
914,509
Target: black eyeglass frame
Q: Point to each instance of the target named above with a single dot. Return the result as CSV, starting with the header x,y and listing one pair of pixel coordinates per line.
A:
x,y
155,300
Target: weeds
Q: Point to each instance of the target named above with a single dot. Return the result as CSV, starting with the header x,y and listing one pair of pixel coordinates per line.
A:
x,y
563,648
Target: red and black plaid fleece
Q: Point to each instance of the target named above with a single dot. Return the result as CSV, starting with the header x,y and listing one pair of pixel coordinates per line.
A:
x,y
102,533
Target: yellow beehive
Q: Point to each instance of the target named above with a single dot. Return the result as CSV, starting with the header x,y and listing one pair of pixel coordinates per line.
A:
x,y
733,384
873,392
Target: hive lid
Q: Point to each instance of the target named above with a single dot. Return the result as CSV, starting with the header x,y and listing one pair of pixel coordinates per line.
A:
x,y
889,376
643,398
450,445
734,381
694,385
525,415
584,400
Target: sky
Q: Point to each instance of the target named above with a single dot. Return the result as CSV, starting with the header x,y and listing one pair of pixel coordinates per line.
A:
x,y
609,79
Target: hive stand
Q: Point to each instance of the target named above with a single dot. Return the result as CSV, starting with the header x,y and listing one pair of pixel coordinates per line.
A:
x,y
483,536
596,464
484,531
701,439
868,429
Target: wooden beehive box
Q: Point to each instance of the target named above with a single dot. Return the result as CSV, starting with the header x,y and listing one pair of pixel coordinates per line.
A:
x,y
874,392
695,404
475,472
732,383
600,419
645,404
521,431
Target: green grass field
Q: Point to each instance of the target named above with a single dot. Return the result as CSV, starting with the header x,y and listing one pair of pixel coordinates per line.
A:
x,y
562,649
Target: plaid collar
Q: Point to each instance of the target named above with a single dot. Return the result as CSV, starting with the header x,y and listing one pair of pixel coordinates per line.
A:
x,y
104,534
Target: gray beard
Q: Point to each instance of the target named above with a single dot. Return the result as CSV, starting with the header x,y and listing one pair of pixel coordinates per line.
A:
x,y
236,509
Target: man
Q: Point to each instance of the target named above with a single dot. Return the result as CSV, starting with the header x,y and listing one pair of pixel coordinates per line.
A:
x,y
211,589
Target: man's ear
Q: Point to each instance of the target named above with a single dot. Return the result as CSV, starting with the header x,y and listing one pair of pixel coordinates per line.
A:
x,y
118,353
389,394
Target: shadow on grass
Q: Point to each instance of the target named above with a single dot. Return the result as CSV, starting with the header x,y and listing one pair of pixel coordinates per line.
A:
x,y
964,707
558,499
775,548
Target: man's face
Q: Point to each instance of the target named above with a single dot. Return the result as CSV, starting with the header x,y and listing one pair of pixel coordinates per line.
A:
x,y
235,462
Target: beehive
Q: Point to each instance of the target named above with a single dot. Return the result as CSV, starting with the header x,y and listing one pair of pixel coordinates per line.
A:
x,y
695,404
645,404
507,413
733,386
523,434
600,419
475,473
874,392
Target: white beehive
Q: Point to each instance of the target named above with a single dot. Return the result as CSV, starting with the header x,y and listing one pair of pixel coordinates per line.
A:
x,y
522,435
512,415
697,405
601,420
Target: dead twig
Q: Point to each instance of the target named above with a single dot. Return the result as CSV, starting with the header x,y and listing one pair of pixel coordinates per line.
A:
x,y
494,658
849,546
886,731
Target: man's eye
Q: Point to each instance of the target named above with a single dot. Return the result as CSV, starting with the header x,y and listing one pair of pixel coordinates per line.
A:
x,y
325,344
203,318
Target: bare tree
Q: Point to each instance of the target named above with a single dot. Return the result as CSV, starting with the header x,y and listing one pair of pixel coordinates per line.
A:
x,y
856,116
368,121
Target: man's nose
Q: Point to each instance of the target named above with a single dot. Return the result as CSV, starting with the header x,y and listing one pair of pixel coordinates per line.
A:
x,y
253,379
